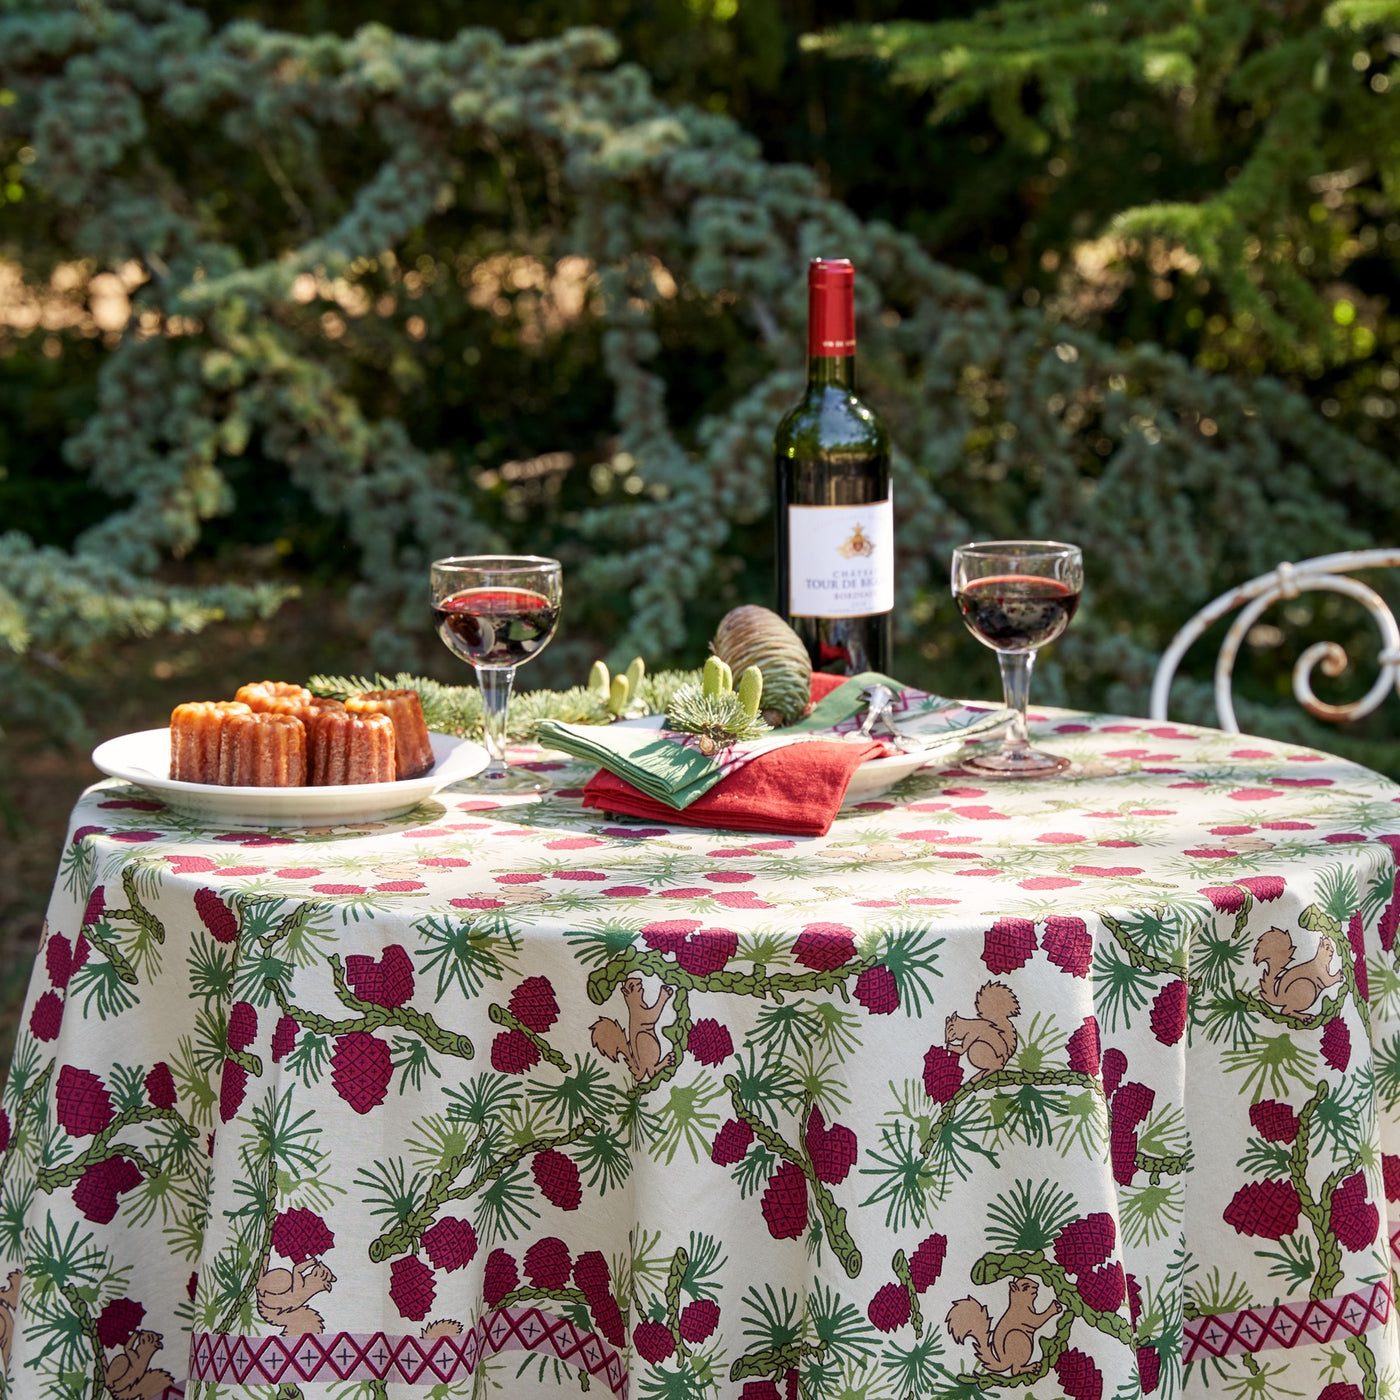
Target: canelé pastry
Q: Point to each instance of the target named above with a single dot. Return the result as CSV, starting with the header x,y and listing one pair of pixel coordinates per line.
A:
x,y
262,750
274,697
413,749
351,748
195,730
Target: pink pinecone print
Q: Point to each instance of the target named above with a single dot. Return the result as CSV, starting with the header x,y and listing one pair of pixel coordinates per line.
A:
x,y
160,1085
1390,1170
1336,1044
1357,938
832,1150
1390,919
1079,1377
233,1085
1008,944
513,1052
412,1287
1131,1104
501,1277
118,1320
709,1042
96,906
284,1038
215,916
668,935
557,1177
1264,887
1228,899
83,1105
760,1390
1068,945
387,981
1115,1066
943,1074
1274,1121
450,1243
1083,1047
1341,1390
707,950
825,947
1149,1362
242,1026
1268,1209
732,1142
1134,1299
889,1308
653,1341
1168,1017
877,991
1102,1288
1086,1243
4,1130
1354,1219
58,959
299,1234
532,1003
361,1070
47,1017
785,1202
699,1319
95,1192
592,1280
926,1262
547,1263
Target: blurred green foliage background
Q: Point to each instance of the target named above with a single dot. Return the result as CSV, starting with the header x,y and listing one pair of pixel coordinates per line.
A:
x,y
291,299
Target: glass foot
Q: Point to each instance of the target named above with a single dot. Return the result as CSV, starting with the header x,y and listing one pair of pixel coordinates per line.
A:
x,y
1015,763
503,781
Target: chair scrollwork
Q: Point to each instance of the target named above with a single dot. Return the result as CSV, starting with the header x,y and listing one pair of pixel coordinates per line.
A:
x,y
1326,573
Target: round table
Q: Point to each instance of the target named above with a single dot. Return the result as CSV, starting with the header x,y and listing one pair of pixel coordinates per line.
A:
x,y
1052,1090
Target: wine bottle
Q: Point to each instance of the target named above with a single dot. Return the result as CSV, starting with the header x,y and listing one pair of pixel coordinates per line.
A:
x,y
835,515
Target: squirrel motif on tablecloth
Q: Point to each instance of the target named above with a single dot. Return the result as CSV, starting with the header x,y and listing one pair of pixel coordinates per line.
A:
x,y
639,1046
284,1293
1006,1348
9,1301
988,1040
1293,989
128,1375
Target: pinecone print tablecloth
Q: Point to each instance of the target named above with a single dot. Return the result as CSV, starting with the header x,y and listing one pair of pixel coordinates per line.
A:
x,y
1087,1089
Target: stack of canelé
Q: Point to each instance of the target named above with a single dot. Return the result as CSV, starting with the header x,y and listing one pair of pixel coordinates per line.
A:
x,y
273,734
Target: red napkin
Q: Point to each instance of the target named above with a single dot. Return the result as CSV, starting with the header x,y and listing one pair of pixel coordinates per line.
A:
x,y
794,791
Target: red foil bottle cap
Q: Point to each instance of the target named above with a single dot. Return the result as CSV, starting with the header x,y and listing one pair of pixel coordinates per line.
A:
x,y
831,310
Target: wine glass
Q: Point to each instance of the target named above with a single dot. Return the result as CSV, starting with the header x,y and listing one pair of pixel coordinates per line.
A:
x,y
497,611
1015,596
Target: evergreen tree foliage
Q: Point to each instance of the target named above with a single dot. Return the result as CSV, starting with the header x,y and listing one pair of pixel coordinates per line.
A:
x,y
451,295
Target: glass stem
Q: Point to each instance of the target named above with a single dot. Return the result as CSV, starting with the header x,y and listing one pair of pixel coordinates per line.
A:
x,y
1016,688
495,683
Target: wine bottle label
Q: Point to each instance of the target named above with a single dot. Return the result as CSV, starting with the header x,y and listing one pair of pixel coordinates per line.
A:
x,y
841,560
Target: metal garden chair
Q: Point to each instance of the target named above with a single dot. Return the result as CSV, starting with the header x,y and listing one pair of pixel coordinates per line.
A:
x,y
1327,573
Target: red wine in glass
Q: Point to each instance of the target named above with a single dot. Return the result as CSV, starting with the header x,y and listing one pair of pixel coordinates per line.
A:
x,y
1016,612
496,626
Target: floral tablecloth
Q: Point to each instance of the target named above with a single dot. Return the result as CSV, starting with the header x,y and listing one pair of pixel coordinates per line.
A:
x,y
1081,1089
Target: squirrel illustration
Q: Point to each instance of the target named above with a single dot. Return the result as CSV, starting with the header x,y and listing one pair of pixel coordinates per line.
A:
x,y
639,1045
9,1301
444,1327
1293,989
988,1039
284,1293
128,1375
1007,1347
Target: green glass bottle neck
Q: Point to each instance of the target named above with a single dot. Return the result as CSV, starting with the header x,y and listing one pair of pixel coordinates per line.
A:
x,y
831,372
